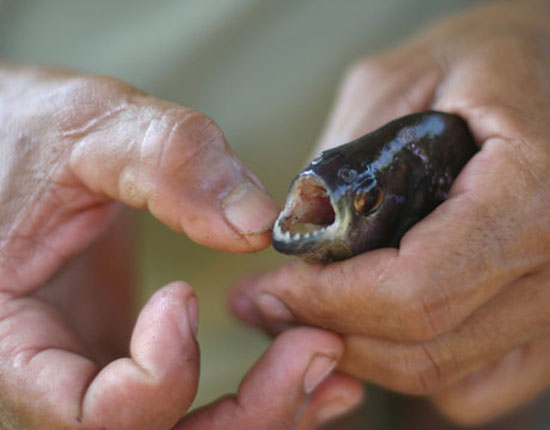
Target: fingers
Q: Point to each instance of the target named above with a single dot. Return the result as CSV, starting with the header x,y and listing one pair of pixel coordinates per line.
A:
x,y
378,90
285,389
335,397
516,317
362,294
154,387
171,160
472,239
77,144
464,253
341,296
53,384
499,388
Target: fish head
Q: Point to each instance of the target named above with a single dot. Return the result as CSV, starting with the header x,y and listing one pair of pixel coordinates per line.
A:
x,y
332,210
368,193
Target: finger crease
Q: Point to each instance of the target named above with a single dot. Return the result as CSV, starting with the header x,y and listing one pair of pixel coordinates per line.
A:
x,y
434,369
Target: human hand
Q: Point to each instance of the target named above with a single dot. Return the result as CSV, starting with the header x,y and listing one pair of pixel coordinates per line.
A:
x,y
75,149
460,312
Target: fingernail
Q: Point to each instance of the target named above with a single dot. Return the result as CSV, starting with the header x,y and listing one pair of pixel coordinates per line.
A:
x,y
193,314
250,210
319,368
274,309
245,308
336,408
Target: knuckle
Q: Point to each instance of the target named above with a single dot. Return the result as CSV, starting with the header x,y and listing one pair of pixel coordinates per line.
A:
x,y
370,69
539,285
505,206
523,49
421,370
185,136
425,314
198,125
84,102
293,284
107,83
289,281
530,166
415,322
530,179
333,304
97,88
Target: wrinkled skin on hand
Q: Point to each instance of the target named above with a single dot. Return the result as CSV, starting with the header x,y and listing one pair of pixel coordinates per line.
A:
x,y
74,150
460,312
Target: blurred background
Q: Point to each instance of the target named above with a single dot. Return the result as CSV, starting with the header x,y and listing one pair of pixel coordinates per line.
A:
x,y
266,72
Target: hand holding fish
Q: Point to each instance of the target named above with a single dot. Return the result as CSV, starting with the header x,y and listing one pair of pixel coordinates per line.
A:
x,y
460,311
75,149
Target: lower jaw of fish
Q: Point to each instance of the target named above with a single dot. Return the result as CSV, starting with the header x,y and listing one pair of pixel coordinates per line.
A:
x,y
322,246
305,233
311,225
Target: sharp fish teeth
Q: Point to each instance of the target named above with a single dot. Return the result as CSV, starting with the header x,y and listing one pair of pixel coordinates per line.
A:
x,y
291,236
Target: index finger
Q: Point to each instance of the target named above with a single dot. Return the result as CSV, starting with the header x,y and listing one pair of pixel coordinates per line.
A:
x,y
171,160
97,140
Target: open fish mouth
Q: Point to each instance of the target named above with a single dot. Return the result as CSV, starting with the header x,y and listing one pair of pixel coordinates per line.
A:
x,y
309,213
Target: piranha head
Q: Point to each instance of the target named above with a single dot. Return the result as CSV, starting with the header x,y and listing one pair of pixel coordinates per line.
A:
x,y
331,211
367,193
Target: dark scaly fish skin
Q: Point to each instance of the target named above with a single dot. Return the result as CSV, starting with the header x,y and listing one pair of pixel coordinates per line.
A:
x,y
378,185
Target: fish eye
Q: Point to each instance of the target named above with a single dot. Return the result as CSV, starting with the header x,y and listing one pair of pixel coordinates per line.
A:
x,y
366,202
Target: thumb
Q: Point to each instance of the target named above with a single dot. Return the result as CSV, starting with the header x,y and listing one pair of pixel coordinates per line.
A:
x,y
155,385
171,160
